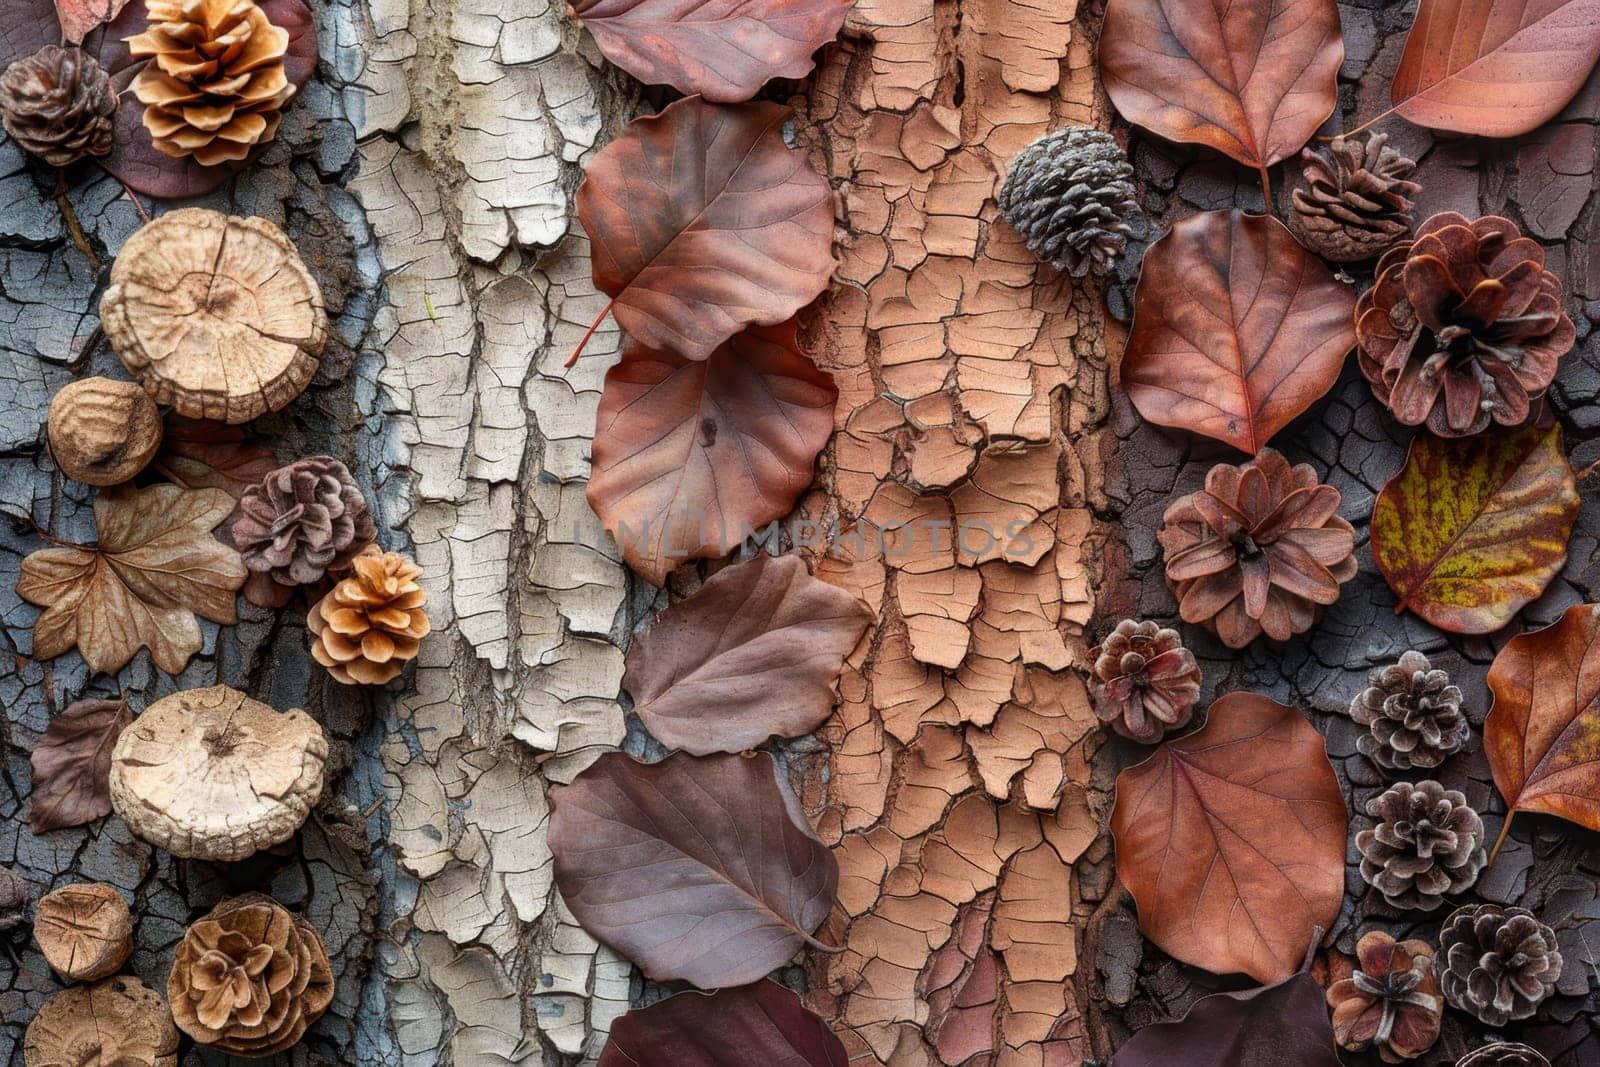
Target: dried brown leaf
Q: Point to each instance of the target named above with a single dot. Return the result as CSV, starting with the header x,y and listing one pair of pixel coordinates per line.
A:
x,y
202,454
71,764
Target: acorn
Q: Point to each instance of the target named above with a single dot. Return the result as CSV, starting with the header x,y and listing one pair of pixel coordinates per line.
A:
x,y
102,431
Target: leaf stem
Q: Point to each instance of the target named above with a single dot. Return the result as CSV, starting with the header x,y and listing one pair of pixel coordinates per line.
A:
x,y
45,535
137,206
1504,829
1332,137
1266,187
70,217
593,326
832,950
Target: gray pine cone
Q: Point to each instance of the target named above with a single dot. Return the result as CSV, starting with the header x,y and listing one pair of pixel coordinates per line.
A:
x,y
1070,195
1503,1054
1412,714
1497,963
59,105
1356,200
1428,842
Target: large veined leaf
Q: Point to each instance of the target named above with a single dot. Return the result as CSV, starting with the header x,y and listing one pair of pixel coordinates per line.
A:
x,y
698,868
726,50
703,221
80,17
752,653
1495,68
71,765
691,456
1253,81
1270,1026
1232,840
763,1025
1237,329
1473,528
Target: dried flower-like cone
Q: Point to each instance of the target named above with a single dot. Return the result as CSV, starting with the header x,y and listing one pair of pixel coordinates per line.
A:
x,y
215,86
1391,1002
58,104
85,931
1497,963
1355,202
372,623
299,524
116,1022
216,315
1427,844
102,431
1145,683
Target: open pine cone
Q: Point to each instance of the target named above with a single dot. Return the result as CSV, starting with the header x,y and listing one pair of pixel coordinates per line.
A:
x,y
1504,1054
372,623
1428,843
1070,194
215,87
1261,549
1412,714
1145,682
1463,327
1498,963
249,978
1391,1002
1356,201
58,104
300,523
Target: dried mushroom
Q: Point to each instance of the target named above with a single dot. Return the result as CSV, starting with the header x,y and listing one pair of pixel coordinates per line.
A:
x,y
211,774
214,314
102,431
85,931
117,1022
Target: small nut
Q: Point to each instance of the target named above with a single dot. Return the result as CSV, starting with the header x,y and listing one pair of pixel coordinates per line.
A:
x,y
102,431
85,931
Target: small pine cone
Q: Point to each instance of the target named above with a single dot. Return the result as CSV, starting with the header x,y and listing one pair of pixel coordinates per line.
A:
x,y
1499,963
1412,714
372,623
1145,682
302,522
1391,1002
1070,195
1428,842
1356,202
1504,1054
215,86
59,105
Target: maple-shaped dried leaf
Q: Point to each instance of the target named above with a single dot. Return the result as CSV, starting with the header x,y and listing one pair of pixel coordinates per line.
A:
x,y
697,868
1542,736
753,653
1269,1026
691,456
202,454
1495,68
1253,81
1473,528
80,17
726,50
1232,840
1237,329
763,1025
157,566
72,764
703,221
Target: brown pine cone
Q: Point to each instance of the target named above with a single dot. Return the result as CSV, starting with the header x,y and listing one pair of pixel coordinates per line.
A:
x,y
59,105
300,523
1391,1002
372,623
1145,682
249,978
1499,963
1356,201
1463,327
1504,1054
215,86
1412,714
1259,550
1428,842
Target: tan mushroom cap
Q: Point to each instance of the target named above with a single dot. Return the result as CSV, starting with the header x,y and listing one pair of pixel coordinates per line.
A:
x,y
211,774
84,931
214,314
102,431
115,1021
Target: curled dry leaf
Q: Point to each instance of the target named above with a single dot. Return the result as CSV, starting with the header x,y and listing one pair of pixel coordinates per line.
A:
x,y
1237,329
1495,68
71,762
725,50
202,454
699,868
690,456
751,654
761,1024
80,17
703,222
156,568
1270,1026
1473,528
1252,81
1232,840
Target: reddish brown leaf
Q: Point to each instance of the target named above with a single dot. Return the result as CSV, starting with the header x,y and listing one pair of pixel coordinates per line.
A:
x,y
699,868
690,457
1232,840
1253,81
80,17
753,653
1495,68
201,454
725,50
1237,329
72,763
29,25
1473,528
763,1025
703,222
1270,1026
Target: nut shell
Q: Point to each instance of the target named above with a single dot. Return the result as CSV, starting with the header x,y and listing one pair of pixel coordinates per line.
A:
x,y
117,1021
85,931
102,431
